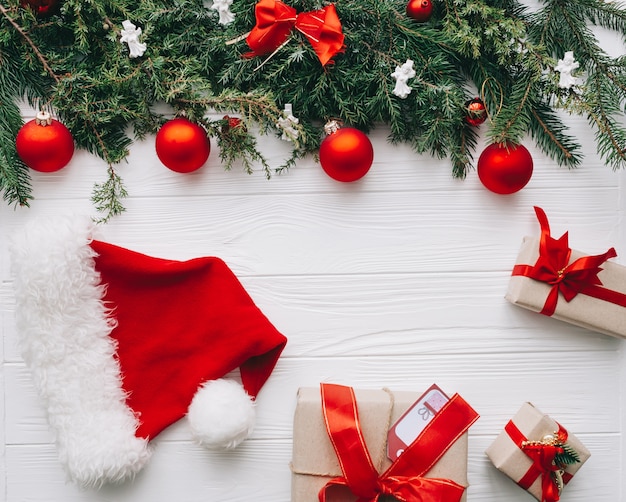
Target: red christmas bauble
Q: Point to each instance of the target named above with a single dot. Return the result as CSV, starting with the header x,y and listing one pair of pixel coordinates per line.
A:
x,y
182,146
41,7
476,112
44,144
231,123
346,154
505,168
419,10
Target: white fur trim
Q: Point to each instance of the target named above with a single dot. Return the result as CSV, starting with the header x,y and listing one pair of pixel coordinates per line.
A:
x,y
64,330
221,414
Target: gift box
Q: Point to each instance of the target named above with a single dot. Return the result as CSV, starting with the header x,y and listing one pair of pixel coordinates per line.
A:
x,y
316,465
566,284
537,453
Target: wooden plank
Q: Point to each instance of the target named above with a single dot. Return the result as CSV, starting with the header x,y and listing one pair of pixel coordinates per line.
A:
x,y
313,234
543,376
260,470
395,314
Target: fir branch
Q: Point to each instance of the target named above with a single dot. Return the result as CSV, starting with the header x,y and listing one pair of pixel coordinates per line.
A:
x,y
239,145
14,175
606,14
610,137
603,88
550,134
75,63
107,196
562,27
460,153
569,456
512,121
4,11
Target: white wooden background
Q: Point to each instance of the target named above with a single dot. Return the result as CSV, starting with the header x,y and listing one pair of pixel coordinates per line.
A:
x,y
397,280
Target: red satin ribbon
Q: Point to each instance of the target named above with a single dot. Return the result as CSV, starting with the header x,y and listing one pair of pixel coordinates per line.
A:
x,y
569,279
275,21
543,456
404,479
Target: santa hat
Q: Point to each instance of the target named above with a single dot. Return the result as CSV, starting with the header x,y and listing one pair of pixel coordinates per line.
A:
x,y
121,345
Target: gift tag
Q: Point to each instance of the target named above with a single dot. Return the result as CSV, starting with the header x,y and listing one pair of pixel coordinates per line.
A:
x,y
414,420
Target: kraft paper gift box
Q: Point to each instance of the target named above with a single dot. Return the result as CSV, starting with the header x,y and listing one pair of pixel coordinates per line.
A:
x,y
508,456
314,460
601,303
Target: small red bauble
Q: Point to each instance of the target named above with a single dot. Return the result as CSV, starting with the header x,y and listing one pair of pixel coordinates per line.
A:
x,y
476,113
346,154
182,146
419,10
505,168
231,123
44,144
41,8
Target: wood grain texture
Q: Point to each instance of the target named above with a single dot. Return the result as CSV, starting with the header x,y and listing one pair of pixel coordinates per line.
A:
x,y
395,281
182,471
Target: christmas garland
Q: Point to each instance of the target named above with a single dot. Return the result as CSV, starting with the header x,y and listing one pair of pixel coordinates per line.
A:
x,y
102,67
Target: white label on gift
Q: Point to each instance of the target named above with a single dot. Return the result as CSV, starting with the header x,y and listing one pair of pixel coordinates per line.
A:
x,y
411,424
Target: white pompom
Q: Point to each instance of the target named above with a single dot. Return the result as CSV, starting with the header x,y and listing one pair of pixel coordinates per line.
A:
x,y
221,414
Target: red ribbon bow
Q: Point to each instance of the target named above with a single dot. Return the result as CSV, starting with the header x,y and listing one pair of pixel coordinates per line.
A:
x,y
569,279
275,21
404,479
542,455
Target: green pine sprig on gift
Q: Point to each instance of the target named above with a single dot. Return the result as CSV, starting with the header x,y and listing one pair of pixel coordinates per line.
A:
x,y
73,64
568,457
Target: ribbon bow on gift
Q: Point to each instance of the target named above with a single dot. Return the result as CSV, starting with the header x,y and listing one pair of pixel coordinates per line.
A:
x,y
404,479
543,455
275,21
569,279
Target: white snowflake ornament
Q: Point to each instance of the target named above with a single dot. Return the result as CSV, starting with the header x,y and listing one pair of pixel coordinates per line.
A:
x,y
223,9
287,123
402,75
565,67
130,35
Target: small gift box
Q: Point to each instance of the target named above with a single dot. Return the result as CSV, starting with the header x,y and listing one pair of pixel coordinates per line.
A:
x,y
556,281
537,453
340,448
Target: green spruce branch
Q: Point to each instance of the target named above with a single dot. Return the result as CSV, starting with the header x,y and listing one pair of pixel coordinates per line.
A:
x,y
73,63
107,196
569,456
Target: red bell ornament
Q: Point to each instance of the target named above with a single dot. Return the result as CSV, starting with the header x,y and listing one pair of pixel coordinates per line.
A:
x,y
182,145
44,144
419,10
346,154
505,168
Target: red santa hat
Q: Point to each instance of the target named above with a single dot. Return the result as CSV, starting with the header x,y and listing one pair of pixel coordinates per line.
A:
x,y
121,345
